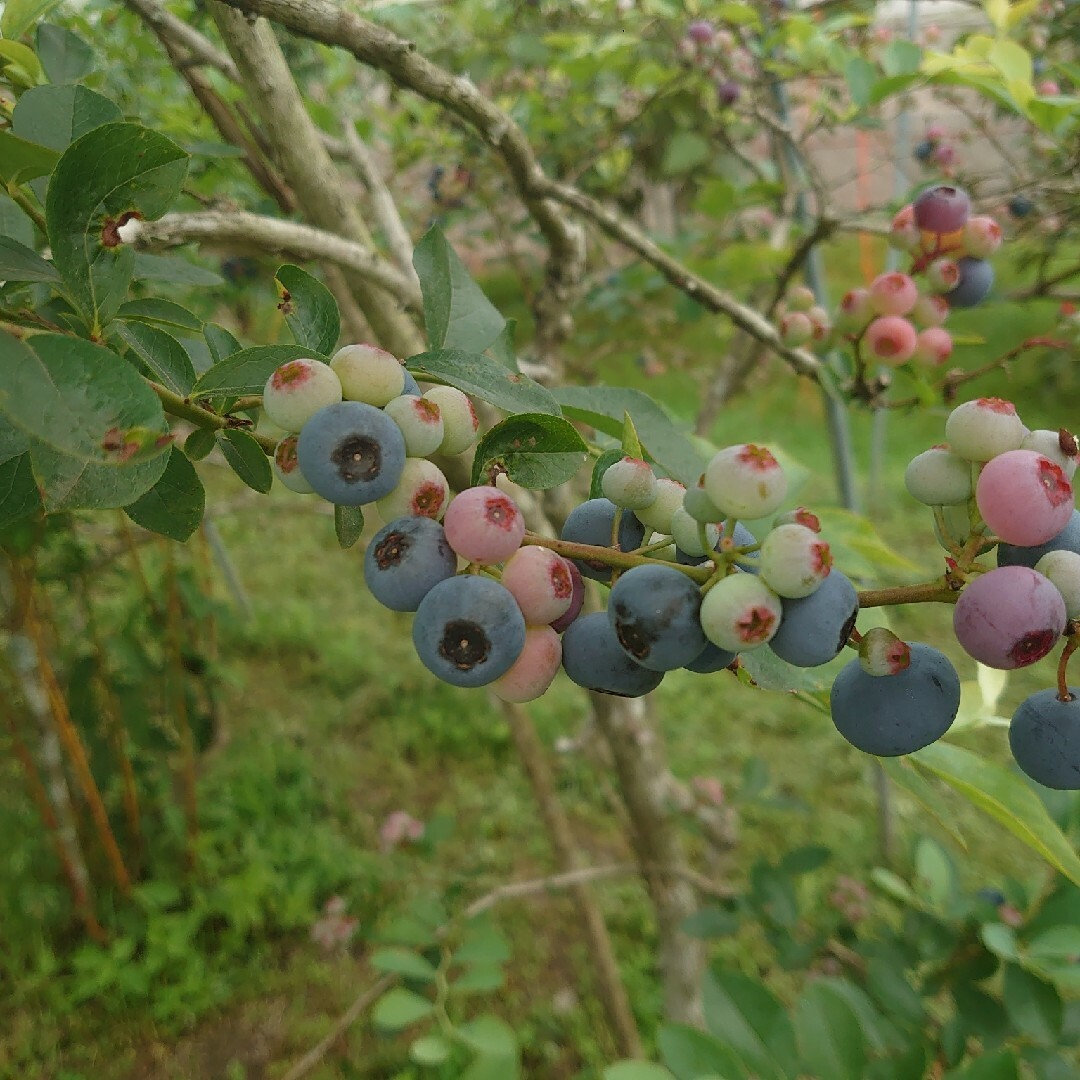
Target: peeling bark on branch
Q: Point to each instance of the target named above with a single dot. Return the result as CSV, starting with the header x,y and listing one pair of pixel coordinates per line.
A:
x,y
275,236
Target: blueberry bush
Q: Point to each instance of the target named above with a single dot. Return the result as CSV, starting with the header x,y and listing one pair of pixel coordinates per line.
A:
x,y
534,524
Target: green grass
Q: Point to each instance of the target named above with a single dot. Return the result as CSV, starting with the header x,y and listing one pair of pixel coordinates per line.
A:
x,y
322,676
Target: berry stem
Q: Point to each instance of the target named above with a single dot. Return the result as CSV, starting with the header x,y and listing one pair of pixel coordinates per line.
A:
x,y
622,560
185,409
928,592
1071,645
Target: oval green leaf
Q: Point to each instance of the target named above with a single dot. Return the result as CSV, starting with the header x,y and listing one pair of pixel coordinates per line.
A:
x,y
486,379
174,506
165,358
534,449
398,1008
247,459
348,525
246,372
309,308
55,116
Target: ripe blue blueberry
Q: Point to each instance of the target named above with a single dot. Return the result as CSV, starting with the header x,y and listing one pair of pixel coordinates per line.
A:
x,y
1020,206
890,715
711,658
590,523
654,611
1066,540
924,151
412,388
405,560
1044,737
468,630
814,628
593,658
976,278
351,453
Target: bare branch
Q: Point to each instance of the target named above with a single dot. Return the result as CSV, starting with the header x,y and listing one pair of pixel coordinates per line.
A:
x,y
276,236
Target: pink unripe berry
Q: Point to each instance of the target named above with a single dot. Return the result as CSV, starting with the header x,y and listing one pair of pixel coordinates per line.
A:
x,y
701,31
855,311
981,429
943,275
890,339
630,484
740,612
540,582
934,345
1025,498
420,421
945,155
483,525
893,294
1048,88
904,234
799,516
535,668
982,236
820,326
935,133
1009,617
799,298
932,35
794,561
745,481
297,390
287,468
368,374
881,652
577,599
460,423
669,497
930,310
422,491
796,328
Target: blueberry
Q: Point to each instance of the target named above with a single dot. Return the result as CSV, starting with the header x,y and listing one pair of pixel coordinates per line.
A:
x,y
405,560
814,628
1020,206
711,658
351,453
654,611
742,537
594,659
590,523
890,715
468,630
412,387
924,151
1066,540
1044,737
976,279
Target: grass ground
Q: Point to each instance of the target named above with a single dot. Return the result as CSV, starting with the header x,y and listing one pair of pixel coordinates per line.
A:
x,y
321,679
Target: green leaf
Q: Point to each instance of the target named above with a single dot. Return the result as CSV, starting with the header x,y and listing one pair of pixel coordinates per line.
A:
x,y
482,943
430,1050
70,394
829,1035
399,1008
1058,944
893,84
905,775
64,55
18,491
888,986
934,873
55,116
502,348
490,1037
742,1013
20,15
535,450
14,224
114,170
457,314
164,356
858,548
1001,1065
1033,1005
805,860
309,308
605,407
685,151
603,463
901,57
1000,940
690,1053
220,342
246,372
173,271
482,979
486,379
22,161
1012,60
348,525
164,312
772,673
20,263
19,63
405,962
1006,798
861,76
636,1070
710,922
70,482
246,458
174,506
200,443
492,1068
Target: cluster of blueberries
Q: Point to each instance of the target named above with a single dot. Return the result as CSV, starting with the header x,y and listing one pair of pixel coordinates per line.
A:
x,y
900,317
